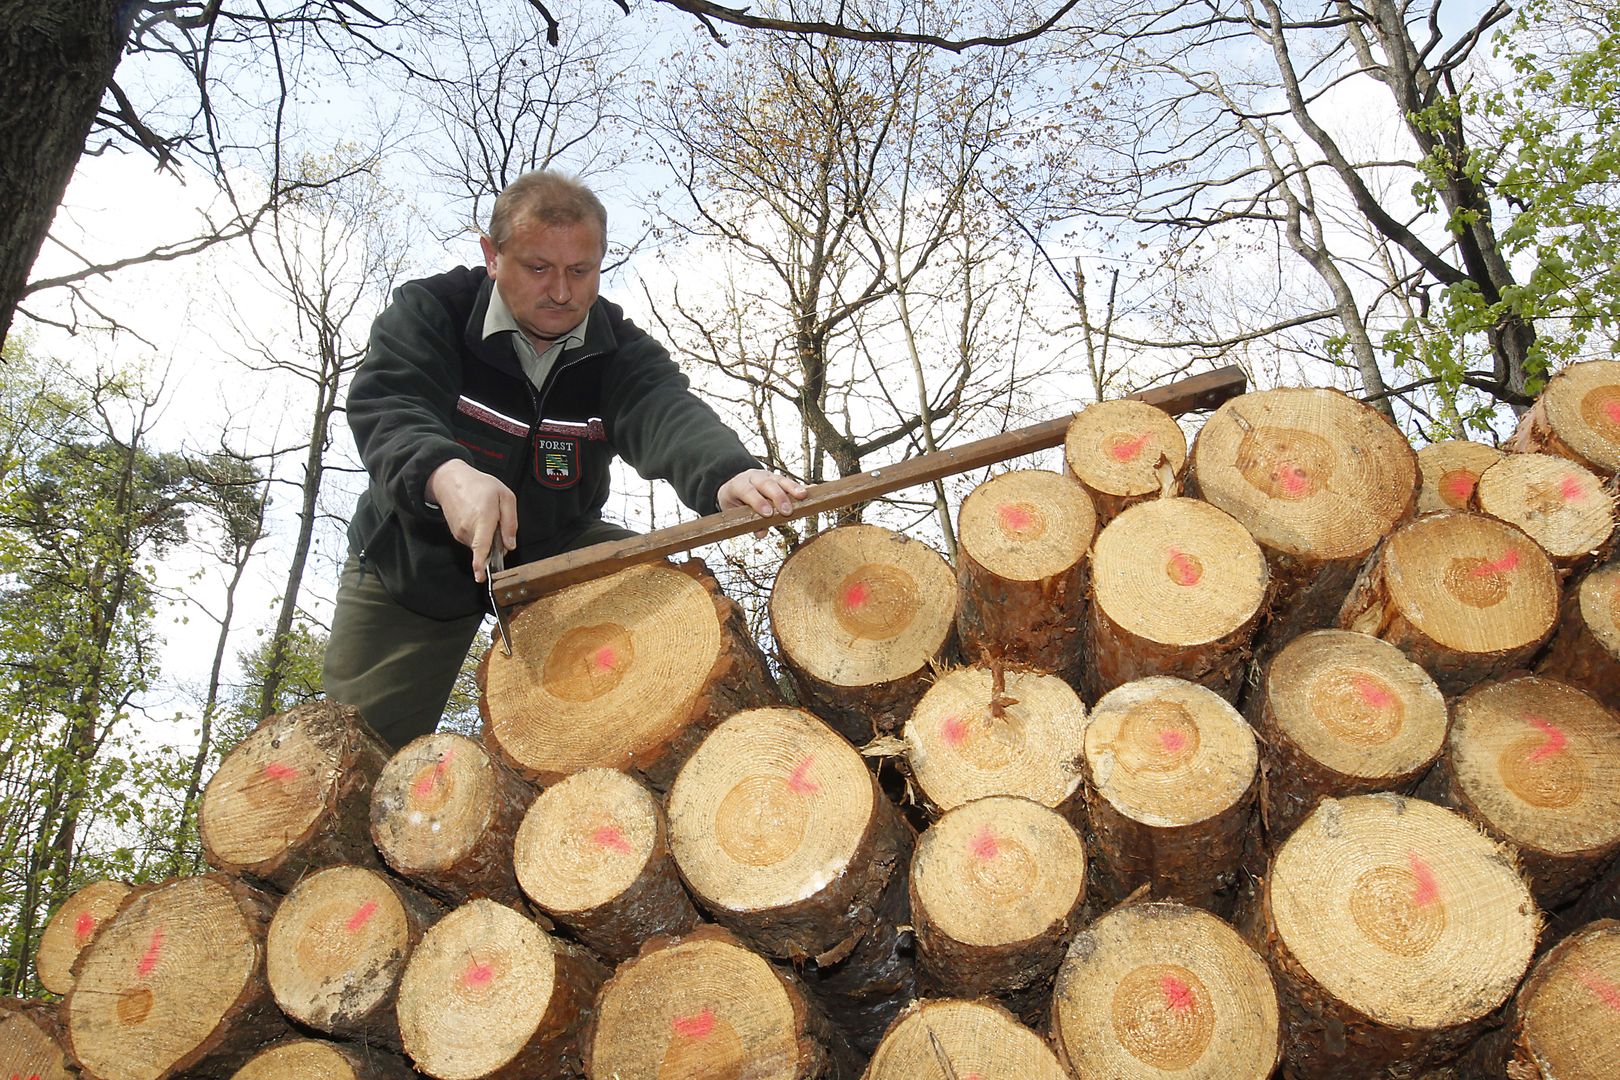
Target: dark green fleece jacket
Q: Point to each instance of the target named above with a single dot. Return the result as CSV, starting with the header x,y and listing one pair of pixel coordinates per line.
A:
x,y
431,389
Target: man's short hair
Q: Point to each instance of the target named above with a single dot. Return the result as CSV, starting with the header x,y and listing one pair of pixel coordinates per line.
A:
x,y
550,198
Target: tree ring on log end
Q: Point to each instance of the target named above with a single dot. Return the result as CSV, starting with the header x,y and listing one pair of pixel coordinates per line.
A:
x,y
1569,1008
1118,447
586,840
1027,525
875,601
433,802
959,750
1178,572
975,1037
29,1051
305,1059
768,810
336,947
1162,989
1451,470
1582,404
1402,910
1559,504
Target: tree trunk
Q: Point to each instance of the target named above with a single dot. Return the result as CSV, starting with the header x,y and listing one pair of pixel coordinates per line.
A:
x,y
1465,596
1577,417
1560,505
1585,649
1165,990
1451,470
1172,776
961,1039
72,928
294,796
862,616
627,672
338,946
444,813
1395,929
488,995
314,1059
1124,452
1341,714
1178,588
31,1039
175,985
1021,571
593,853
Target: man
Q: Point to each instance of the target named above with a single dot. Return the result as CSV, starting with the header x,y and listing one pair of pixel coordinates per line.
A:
x,y
487,410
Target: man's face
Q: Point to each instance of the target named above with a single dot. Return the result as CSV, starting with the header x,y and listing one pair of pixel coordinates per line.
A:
x,y
548,275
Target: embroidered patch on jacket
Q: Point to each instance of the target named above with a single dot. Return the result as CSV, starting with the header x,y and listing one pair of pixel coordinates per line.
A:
x,y
591,430
556,461
483,413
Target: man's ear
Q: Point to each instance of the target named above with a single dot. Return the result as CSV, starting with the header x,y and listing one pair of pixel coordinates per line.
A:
x,y
491,252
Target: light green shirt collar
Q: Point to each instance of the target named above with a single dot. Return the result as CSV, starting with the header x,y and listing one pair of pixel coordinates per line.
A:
x,y
536,364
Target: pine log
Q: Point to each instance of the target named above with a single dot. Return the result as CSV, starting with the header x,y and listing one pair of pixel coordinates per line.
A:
x,y
338,946
1465,596
1451,470
968,739
961,1039
703,1005
626,672
1560,505
31,1042
1394,929
1124,452
1171,781
1341,713
781,832
444,815
1022,540
862,616
71,929
1565,1020
1577,417
1536,764
1167,992
1178,588
1585,649
593,853
489,995
996,890
175,984
294,796
1319,479
315,1059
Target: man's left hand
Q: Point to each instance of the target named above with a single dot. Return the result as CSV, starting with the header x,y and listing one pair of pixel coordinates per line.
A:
x,y
762,491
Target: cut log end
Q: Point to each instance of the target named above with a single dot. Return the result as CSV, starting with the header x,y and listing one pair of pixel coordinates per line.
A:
x,y
1585,649
1569,1009
943,1038
1027,525
1165,990
313,1059
433,803
1560,505
960,746
1451,471
28,1045
71,929
1577,416
586,840
1123,452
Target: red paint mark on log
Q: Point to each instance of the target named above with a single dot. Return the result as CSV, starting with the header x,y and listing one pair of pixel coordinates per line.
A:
x,y
1130,449
1291,478
607,836
799,781
363,915
1611,409
149,959
83,927
605,658
696,1026
425,785
1373,692
983,845
1459,488
1428,889
1183,571
1172,741
953,731
855,596
1605,990
1509,561
277,771
1570,489
477,975
1555,740
1014,518
1177,994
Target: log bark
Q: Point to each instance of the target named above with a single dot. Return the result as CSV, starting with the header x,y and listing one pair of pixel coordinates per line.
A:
x,y
703,1005
1172,776
1318,479
489,994
1165,990
1394,929
1576,417
31,1041
968,739
1022,541
444,816
1178,588
1124,452
1465,596
779,829
315,1059
175,984
1451,471
1341,713
1536,764
294,796
961,1039
1585,649
593,853
862,617
1560,505
71,929
864,991
337,949
627,672
996,891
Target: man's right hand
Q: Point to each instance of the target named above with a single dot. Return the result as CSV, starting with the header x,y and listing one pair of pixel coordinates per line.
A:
x,y
478,508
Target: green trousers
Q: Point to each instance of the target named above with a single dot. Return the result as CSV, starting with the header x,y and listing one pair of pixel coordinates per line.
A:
x,y
397,667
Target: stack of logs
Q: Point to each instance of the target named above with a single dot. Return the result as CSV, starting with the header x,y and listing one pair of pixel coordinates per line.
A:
x,y
1293,754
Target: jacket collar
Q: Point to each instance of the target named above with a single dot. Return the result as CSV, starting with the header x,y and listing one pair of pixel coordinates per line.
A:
x,y
498,353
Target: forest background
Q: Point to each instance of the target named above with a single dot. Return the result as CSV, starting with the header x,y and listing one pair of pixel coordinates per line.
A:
x,y
867,229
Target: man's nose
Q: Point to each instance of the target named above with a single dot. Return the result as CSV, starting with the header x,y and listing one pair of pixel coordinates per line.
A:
x,y
558,290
